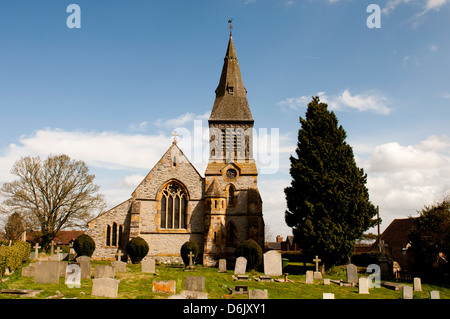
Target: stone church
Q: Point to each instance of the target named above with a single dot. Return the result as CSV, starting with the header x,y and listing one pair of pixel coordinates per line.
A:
x,y
175,203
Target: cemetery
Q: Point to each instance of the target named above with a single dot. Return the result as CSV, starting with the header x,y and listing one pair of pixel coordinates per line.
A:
x,y
56,276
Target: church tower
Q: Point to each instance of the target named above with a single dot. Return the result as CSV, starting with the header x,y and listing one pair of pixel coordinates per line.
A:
x,y
233,206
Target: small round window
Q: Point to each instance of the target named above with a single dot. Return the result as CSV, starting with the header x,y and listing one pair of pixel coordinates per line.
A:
x,y
231,173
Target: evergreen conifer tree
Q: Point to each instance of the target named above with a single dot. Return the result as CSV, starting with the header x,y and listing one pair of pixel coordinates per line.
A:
x,y
328,203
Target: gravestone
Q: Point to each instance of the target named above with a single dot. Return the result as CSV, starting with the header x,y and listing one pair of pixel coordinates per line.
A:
x,y
352,273
317,273
47,272
104,271
434,294
191,263
241,265
326,281
36,251
119,266
148,266
85,264
309,277
167,286
73,275
407,292
417,284
195,283
241,290
105,287
258,294
222,265
29,270
327,295
363,285
273,263
189,294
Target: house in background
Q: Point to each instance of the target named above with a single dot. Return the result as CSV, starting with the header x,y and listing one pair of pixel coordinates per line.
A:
x,y
64,237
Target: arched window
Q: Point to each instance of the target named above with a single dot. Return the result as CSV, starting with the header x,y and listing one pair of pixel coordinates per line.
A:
x,y
173,207
231,195
114,235
108,236
120,235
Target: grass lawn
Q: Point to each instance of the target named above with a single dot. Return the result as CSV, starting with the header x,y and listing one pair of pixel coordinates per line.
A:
x,y
137,285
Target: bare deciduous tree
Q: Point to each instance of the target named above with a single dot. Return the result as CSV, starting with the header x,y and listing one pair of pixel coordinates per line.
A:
x,y
52,194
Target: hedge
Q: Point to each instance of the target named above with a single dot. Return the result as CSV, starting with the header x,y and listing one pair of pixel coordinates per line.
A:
x,y
12,257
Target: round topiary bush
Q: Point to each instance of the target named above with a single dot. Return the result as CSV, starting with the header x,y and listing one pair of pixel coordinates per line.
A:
x,y
84,245
137,248
186,249
251,251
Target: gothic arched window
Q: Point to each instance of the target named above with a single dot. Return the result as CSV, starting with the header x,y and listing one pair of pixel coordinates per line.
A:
x,y
108,236
114,235
173,207
231,195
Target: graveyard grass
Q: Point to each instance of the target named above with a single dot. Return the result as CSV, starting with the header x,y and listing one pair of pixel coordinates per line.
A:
x,y
137,285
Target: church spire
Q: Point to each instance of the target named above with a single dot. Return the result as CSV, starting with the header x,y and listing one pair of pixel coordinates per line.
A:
x,y
231,96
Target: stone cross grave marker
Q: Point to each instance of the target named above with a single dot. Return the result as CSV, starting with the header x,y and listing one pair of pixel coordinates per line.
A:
x,y
73,275
273,265
36,251
52,246
191,264
105,287
241,265
58,251
317,273
119,255
352,273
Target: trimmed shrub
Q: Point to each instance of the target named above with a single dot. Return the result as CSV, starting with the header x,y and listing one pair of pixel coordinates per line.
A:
x,y
84,245
251,250
12,257
186,249
137,248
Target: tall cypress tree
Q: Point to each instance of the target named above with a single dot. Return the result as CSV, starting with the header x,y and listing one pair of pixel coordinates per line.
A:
x,y
328,203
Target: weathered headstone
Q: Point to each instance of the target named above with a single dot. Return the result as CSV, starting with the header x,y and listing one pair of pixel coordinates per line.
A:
x,y
258,294
195,283
119,266
326,281
73,275
29,270
85,264
327,295
148,266
434,294
407,292
352,273
241,290
47,272
241,265
104,271
52,247
309,277
417,284
189,294
222,265
273,263
168,286
105,287
363,285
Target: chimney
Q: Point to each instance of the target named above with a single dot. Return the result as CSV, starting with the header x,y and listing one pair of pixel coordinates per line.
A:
x,y
279,239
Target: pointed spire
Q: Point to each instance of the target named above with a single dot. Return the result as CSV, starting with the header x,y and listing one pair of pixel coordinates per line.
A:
x,y
231,96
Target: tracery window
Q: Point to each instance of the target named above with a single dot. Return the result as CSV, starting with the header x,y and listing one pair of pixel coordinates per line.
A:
x,y
173,207
114,235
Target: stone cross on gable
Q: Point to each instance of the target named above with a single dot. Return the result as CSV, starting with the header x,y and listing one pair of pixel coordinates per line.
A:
x,y
317,260
175,135
119,255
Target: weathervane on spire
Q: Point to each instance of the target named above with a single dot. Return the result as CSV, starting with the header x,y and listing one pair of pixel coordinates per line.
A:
x,y
230,26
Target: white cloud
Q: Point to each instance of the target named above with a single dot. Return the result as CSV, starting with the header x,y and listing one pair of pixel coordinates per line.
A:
x,y
435,4
365,102
181,120
392,4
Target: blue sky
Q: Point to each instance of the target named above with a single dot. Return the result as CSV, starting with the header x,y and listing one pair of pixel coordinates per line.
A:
x,y
111,92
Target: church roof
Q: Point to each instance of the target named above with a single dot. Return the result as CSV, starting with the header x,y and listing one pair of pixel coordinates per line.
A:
x,y
215,190
231,96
